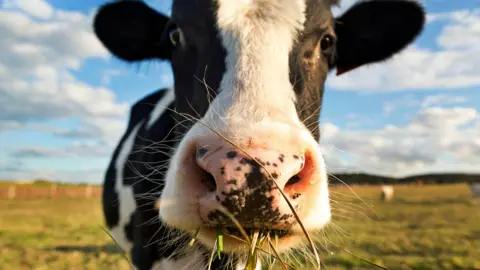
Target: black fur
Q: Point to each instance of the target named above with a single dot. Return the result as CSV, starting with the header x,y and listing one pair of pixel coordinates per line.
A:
x,y
132,31
373,31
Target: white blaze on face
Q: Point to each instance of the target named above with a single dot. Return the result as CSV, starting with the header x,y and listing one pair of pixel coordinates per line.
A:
x,y
258,36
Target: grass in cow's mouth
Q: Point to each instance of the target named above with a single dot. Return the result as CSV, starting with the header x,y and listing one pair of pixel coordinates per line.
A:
x,y
256,239
272,233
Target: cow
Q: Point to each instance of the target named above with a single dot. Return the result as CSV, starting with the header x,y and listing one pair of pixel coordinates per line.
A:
x,y
386,193
239,124
475,189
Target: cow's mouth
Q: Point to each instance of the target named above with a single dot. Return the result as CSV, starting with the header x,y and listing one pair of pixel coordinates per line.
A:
x,y
273,234
235,241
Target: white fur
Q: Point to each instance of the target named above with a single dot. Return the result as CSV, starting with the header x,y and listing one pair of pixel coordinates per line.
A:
x,y
387,193
161,106
258,36
126,197
176,203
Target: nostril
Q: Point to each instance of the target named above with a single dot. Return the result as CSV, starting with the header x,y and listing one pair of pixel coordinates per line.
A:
x,y
209,181
300,182
293,180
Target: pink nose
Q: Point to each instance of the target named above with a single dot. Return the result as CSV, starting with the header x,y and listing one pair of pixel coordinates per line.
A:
x,y
243,186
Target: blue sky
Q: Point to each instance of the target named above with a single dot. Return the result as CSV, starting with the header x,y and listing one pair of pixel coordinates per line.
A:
x,y
64,99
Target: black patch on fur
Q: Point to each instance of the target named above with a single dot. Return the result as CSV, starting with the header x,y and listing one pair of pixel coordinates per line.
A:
x,y
244,161
253,208
201,152
231,154
129,228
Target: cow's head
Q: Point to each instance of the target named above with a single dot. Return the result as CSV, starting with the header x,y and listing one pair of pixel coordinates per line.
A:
x,y
254,71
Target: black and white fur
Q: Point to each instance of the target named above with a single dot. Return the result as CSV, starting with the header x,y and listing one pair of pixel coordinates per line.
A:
x,y
261,60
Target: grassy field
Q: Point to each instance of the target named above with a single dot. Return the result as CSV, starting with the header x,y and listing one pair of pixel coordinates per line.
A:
x,y
424,227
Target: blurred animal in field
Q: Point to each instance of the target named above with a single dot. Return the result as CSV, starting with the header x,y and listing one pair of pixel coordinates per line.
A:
x,y
386,193
475,189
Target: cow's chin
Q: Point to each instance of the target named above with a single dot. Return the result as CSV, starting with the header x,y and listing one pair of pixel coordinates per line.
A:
x,y
233,240
235,243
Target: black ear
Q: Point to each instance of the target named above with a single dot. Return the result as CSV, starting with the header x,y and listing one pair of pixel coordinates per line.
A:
x,y
372,31
132,31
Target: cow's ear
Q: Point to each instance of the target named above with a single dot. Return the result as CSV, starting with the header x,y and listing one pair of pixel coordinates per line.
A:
x,y
132,31
373,31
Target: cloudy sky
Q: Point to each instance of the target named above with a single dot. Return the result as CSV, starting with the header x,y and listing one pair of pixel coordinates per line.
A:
x,y
64,99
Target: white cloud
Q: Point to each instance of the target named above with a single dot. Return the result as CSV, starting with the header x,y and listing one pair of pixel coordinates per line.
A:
x,y
464,33
109,73
78,149
442,99
328,130
35,59
106,130
453,65
62,42
9,125
54,94
436,139
37,8
442,119
404,102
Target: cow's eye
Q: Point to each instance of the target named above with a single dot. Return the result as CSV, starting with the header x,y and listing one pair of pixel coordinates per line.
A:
x,y
327,42
175,36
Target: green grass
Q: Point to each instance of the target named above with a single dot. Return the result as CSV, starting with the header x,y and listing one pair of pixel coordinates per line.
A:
x,y
424,227
55,234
